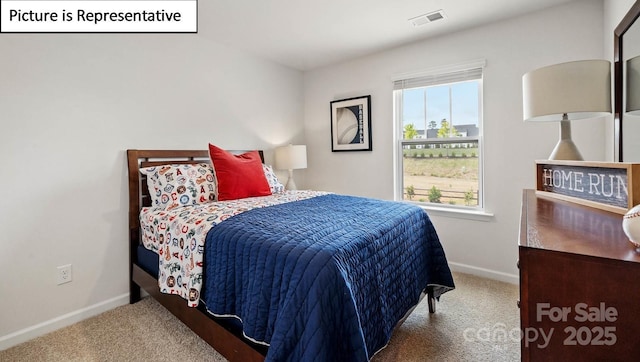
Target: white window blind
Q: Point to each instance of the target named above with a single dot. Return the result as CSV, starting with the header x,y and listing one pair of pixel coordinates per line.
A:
x,y
437,79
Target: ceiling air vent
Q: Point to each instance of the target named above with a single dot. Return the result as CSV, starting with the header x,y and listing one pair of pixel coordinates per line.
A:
x,y
427,18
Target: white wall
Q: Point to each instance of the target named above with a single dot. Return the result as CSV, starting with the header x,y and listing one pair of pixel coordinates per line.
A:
x,y
511,48
70,105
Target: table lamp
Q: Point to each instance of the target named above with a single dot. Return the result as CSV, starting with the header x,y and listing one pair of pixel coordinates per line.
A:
x,y
564,92
291,157
633,86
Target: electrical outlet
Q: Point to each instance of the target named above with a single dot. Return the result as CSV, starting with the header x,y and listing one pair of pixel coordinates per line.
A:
x,y
64,274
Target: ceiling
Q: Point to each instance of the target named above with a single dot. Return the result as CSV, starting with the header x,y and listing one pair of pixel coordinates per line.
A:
x,y
307,34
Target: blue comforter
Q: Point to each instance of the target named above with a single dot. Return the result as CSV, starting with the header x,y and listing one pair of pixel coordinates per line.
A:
x,y
323,279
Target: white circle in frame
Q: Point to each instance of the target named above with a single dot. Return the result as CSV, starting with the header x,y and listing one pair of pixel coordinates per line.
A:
x,y
631,225
347,124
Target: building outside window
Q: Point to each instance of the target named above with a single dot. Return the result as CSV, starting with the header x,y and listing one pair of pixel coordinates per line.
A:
x,y
438,127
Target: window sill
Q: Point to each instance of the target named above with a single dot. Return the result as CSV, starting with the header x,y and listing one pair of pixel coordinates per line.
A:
x,y
459,213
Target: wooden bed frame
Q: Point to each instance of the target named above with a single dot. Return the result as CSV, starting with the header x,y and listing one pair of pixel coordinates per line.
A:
x,y
232,345
228,342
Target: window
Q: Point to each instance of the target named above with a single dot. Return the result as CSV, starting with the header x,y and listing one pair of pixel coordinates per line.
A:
x,y
438,126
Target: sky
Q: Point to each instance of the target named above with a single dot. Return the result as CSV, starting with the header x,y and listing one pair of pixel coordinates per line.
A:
x,y
464,109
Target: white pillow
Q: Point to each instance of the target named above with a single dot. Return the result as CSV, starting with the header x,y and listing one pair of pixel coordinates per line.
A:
x,y
274,184
171,186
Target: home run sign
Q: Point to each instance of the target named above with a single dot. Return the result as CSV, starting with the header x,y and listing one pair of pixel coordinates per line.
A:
x,y
609,186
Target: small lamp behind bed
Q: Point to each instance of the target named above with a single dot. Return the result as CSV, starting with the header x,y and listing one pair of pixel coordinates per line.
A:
x,y
291,157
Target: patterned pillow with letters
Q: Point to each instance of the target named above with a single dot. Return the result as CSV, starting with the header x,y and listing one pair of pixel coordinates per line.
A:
x,y
274,184
171,186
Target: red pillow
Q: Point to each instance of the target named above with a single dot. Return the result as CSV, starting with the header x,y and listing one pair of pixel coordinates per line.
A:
x,y
238,176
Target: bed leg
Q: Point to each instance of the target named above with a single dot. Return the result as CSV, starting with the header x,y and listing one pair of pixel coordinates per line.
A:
x,y
134,293
431,300
134,289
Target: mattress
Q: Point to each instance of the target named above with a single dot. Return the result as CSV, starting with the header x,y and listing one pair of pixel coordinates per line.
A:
x,y
147,260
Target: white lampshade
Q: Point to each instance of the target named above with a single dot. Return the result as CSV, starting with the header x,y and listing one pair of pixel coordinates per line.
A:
x,y
564,92
291,157
633,86
581,89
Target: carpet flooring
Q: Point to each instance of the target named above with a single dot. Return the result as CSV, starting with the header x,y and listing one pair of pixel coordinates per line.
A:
x,y
478,321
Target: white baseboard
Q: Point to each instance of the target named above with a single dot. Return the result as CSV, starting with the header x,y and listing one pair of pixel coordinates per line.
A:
x,y
485,273
68,319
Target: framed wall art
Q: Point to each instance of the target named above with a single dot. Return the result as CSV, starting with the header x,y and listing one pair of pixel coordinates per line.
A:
x,y
351,124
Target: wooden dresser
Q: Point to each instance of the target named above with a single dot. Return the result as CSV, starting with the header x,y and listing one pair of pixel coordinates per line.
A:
x,y
579,283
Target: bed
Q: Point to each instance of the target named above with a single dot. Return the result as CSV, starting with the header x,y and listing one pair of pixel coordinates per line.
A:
x,y
276,292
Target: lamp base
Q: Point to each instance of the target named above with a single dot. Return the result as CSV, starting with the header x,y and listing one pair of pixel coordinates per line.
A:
x,y
291,185
565,149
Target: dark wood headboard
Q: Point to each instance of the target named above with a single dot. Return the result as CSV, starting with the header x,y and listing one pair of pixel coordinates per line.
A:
x,y
138,189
